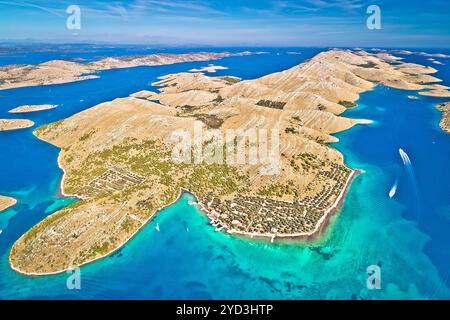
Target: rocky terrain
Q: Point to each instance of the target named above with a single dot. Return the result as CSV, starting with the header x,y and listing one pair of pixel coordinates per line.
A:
x,y
33,108
118,157
15,124
6,202
445,122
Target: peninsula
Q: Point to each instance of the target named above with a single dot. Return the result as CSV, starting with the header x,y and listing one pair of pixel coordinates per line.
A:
x,y
33,108
15,124
117,157
6,202
61,71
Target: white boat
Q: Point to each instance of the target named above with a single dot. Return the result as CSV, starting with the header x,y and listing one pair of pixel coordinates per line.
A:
x,y
393,190
157,227
1,231
192,203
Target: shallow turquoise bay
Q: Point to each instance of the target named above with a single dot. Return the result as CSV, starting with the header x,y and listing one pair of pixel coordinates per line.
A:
x,y
407,235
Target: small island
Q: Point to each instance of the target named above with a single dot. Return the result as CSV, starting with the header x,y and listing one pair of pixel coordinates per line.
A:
x,y
33,108
6,203
15,124
210,69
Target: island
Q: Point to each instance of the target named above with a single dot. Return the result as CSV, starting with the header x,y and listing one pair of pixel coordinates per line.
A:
x,y
211,69
445,122
6,202
121,159
61,71
32,108
436,91
15,124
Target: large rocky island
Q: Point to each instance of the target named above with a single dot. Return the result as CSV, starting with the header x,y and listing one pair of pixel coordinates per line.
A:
x,y
117,157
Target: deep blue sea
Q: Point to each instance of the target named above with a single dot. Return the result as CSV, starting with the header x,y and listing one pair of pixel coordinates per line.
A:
x,y
407,235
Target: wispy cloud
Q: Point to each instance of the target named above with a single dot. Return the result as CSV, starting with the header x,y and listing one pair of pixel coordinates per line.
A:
x,y
228,21
32,5
124,10
149,8
318,5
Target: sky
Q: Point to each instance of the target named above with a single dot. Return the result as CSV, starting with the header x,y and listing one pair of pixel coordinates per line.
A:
x,y
340,23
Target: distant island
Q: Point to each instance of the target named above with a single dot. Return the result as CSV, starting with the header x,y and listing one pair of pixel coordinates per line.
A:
x,y
15,124
6,202
61,71
121,168
32,108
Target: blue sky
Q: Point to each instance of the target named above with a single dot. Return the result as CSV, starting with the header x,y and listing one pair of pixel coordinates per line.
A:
x,y
411,23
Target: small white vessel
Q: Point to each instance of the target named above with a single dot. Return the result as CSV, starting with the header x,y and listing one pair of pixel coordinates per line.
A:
x,y
1,231
393,190
187,229
192,203
157,227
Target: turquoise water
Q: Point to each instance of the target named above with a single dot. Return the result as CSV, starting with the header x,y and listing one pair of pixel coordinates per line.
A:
x,y
406,236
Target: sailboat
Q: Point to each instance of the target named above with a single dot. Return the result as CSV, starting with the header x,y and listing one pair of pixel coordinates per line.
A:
x,y
157,227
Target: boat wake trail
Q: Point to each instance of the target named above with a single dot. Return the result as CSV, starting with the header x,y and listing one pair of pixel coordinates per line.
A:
x,y
408,165
407,162
405,157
